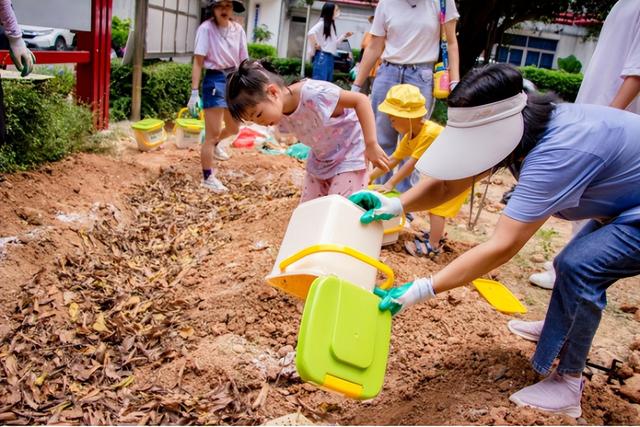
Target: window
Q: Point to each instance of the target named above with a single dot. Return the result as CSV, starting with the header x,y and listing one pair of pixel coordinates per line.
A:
x,y
533,58
546,60
535,51
542,44
515,56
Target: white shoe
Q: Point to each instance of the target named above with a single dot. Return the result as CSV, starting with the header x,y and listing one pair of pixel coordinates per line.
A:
x,y
528,330
220,153
214,184
545,280
548,265
559,394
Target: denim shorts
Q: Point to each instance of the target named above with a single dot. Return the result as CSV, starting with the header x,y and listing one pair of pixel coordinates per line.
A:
x,y
214,88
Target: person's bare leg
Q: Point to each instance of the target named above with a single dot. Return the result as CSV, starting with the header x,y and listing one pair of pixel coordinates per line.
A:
x,y
436,231
231,128
213,130
213,125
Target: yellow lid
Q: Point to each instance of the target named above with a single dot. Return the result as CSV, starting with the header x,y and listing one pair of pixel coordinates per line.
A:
x,y
193,125
148,124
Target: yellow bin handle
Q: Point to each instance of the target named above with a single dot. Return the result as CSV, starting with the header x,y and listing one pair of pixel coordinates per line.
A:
x,y
186,110
397,228
342,250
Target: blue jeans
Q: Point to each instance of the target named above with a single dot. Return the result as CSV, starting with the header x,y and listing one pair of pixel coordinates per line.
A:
x,y
323,66
389,75
595,258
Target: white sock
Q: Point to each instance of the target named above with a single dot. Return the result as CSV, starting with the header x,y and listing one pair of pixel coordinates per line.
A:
x,y
574,383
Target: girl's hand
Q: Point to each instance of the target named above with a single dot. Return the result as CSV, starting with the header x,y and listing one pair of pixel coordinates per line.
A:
x,y
383,188
348,34
376,155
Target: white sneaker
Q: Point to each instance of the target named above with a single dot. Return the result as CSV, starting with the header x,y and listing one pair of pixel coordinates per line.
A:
x,y
545,280
214,184
528,330
559,394
548,265
220,153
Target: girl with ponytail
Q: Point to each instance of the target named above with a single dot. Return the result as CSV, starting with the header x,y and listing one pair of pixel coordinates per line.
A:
x,y
337,125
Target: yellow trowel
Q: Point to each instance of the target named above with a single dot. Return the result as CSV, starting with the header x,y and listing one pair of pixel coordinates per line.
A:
x,y
499,296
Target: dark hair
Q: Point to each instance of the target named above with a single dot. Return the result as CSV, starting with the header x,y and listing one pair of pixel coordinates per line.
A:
x,y
496,82
326,14
246,87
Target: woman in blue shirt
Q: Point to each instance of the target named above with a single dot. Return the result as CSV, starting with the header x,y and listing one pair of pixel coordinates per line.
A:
x,y
571,161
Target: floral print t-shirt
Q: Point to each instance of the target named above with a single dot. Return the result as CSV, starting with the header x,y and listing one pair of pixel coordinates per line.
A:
x,y
336,143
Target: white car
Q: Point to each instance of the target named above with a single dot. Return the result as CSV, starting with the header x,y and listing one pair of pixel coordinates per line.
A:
x,y
43,38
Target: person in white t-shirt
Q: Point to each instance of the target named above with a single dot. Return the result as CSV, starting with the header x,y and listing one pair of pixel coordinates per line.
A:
x,y
406,35
612,78
220,47
323,42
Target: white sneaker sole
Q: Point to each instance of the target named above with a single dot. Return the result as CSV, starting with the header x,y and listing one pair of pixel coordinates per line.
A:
x,y
525,335
223,158
214,189
572,411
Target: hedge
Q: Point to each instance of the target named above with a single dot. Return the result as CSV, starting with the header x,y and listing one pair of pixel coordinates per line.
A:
x,y
259,51
566,85
166,87
43,124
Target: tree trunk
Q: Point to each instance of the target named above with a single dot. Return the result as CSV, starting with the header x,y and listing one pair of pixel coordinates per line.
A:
x,y
476,20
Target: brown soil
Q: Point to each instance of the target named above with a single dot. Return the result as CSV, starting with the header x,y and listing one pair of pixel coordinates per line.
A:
x,y
132,295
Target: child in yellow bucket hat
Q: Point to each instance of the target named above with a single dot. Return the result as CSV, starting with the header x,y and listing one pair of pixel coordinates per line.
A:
x,y
405,106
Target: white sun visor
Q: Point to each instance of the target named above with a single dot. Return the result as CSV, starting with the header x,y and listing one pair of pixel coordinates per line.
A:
x,y
475,139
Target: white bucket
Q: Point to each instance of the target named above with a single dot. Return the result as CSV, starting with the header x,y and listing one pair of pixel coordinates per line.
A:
x,y
392,230
331,221
186,138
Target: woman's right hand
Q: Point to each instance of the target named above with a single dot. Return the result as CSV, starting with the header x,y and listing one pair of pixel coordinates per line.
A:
x,y
194,102
378,207
22,57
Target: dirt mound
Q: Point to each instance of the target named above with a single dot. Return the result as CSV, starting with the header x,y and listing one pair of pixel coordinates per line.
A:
x,y
132,295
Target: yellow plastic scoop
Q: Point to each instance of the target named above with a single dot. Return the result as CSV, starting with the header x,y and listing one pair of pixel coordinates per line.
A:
x,y
499,296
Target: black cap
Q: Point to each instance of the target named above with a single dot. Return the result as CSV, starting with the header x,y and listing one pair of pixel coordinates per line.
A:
x,y
238,5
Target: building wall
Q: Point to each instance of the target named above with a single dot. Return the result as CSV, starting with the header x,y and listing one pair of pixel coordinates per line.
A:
x,y
124,9
268,13
571,40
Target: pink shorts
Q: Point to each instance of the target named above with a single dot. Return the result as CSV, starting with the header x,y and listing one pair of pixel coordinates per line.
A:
x,y
345,184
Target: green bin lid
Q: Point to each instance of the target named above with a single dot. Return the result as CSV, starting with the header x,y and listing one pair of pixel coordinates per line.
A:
x,y
148,124
344,339
191,124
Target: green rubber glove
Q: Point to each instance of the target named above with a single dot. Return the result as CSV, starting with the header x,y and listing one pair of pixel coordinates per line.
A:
x,y
397,299
378,207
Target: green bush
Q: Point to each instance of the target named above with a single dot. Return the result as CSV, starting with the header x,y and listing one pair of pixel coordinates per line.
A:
x,y
42,124
289,66
570,64
262,34
119,31
64,82
259,51
166,87
439,114
564,84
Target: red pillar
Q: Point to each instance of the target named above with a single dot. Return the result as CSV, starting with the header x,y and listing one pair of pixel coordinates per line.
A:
x,y
92,84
